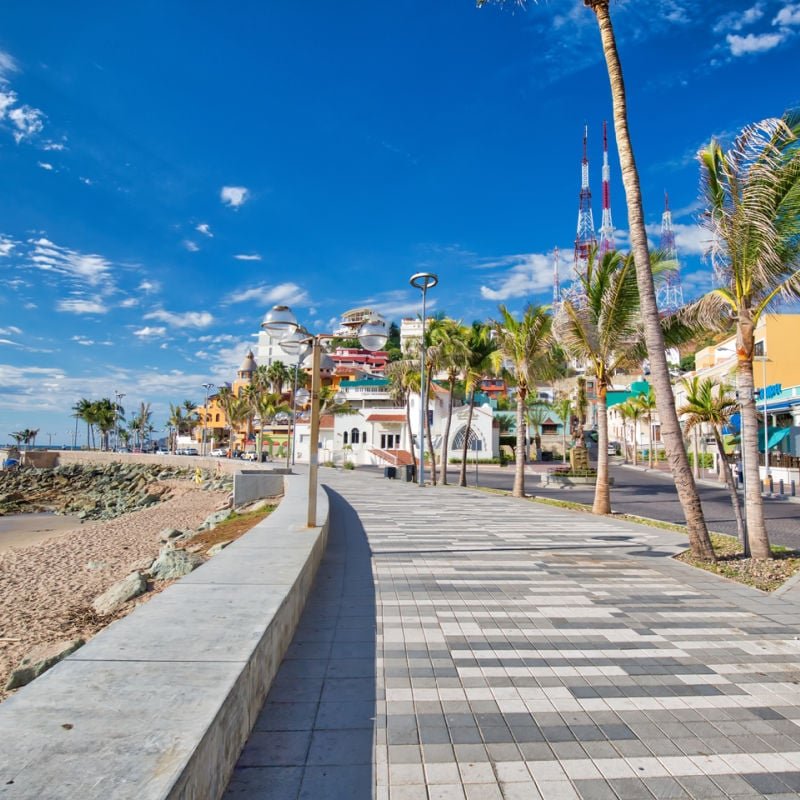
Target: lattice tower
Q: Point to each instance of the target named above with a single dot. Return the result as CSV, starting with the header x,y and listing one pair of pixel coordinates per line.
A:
x,y
606,224
585,239
670,293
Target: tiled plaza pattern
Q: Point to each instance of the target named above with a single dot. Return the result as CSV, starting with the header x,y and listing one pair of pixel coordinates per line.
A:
x,y
463,645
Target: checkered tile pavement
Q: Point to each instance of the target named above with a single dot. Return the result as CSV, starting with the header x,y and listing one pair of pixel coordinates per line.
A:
x,y
461,645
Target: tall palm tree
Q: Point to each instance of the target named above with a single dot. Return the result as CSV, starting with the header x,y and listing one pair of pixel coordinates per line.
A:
x,y
267,406
448,349
84,411
752,195
705,406
563,407
647,403
604,332
225,398
176,421
523,344
105,417
404,381
278,375
480,347
653,333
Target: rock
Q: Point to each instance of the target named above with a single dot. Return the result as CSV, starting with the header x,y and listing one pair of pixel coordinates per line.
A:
x,y
173,563
212,520
119,594
143,565
168,534
218,548
39,660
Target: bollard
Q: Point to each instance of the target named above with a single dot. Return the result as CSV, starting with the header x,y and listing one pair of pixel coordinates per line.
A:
x,y
771,485
792,485
780,485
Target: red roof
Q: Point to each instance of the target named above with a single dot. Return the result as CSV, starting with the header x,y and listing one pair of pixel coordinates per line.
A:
x,y
386,418
326,421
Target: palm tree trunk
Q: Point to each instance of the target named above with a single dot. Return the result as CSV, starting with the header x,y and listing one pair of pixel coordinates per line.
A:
x,y
408,426
678,460
519,474
462,477
602,491
729,482
753,504
445,451
635,442
650,459
430,436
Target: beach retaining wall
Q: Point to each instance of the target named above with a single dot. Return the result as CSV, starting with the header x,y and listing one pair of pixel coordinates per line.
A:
x,y
159,704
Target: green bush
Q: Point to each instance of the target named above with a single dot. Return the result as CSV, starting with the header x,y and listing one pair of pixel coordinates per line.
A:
x,y
706,460
349,465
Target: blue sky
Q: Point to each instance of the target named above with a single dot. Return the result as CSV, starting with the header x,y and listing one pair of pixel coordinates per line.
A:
x,y
171,170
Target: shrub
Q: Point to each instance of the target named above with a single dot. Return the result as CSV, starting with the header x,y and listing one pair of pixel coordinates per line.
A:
x,y
349,465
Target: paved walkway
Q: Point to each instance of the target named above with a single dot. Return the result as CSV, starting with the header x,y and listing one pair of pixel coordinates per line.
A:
x,y
464,645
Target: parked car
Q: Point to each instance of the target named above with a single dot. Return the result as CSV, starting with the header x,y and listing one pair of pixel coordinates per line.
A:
x,y
219,452
192,451
250,456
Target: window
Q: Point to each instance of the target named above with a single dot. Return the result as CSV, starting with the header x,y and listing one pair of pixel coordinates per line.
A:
x,y
549,429
217,419
344,438
759,348
354,438
389,441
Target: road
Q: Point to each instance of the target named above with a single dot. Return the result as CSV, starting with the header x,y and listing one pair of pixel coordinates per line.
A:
x,y
649,494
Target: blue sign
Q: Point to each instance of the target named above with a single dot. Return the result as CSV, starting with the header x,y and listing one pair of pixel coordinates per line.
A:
x,y
773,390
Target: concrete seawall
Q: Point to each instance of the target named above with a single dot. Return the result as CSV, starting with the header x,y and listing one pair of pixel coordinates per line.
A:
x,y
160,703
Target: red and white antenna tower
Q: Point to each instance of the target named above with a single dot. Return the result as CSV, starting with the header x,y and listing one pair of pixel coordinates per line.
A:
x,y
585,239
670,294
606,225
556,283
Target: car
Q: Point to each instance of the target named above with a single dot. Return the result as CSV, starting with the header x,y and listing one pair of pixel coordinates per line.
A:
x,y
612,449
162,452
219,452
191,451
250,456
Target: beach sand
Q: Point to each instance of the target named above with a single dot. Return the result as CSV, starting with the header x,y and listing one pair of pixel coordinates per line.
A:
x,y
47,586
22,530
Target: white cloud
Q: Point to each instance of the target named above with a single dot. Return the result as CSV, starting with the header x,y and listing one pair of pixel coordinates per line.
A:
x,y
191,246
234,196
84,267
45,165
7,244
754,43
205,229
7,63
87,181
82,306
690,240
247,257
189,319
788,15
129,302
529,273
393,304
736,20
287,293
148,287
7,99
54,146
11,330
149,332
82,340
27,120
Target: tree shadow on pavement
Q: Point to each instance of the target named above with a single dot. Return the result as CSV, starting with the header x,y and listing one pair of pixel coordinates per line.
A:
x,y
314,736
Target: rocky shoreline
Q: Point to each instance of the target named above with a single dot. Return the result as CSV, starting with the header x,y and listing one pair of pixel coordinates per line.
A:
x,y
92,492
48,590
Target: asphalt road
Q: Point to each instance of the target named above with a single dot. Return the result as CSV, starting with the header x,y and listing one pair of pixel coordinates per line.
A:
x,y
649,494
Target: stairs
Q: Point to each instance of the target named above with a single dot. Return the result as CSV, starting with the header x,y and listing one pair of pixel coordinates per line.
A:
x,y
395,458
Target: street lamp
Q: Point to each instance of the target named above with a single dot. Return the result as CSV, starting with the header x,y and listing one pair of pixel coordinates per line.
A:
x,y
423,281
282,324
118,400
206,386
295,344
763,359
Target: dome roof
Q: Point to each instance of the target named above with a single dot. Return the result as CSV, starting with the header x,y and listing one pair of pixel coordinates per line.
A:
x,y
326,363
249,363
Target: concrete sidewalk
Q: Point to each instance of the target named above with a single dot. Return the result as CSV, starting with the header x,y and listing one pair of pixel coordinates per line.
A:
x,y
465,645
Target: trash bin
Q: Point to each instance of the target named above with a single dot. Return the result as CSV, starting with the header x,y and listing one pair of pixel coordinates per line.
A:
x,y
409,473
390,472
547,455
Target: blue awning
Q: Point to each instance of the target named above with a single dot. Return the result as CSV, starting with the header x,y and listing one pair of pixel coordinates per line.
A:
x,y
777,436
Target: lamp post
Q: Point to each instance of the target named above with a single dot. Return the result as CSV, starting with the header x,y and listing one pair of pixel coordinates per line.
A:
x,y
282,324
207,387
763,359
423,281
117,401
294,345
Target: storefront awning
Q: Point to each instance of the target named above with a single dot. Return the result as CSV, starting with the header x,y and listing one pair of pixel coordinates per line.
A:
x,y
776,437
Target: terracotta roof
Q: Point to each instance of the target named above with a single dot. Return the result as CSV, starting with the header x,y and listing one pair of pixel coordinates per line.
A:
x,y
386,418
326,421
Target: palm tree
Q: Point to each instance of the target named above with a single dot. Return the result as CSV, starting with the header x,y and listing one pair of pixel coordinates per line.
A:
x,y
703,405
448,349
278,375
653,333
563,407
633,412
84,411
226,398
105,417
752,194
647,403
176,421
536,414
524,345
480,346
267,406
239,412
404,381
604,332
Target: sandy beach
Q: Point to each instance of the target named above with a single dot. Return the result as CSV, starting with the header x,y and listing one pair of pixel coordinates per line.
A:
x,y
23,530
47,585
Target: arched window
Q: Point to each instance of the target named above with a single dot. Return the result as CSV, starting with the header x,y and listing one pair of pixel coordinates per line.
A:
x,y
354,436
344,437
217,419
458,440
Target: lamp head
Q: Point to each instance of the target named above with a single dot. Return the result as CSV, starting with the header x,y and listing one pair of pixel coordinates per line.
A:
x,y
373,334
302,397
280,321
423,280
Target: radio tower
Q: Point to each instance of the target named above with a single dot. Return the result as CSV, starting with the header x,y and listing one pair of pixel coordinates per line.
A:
x,y
606,225
585,239
670,294
556,284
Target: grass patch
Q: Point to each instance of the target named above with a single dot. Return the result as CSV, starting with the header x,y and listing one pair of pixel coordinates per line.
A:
x,y
229,530
766,575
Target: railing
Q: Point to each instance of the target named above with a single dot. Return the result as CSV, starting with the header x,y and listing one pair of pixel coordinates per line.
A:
x,y
780,460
